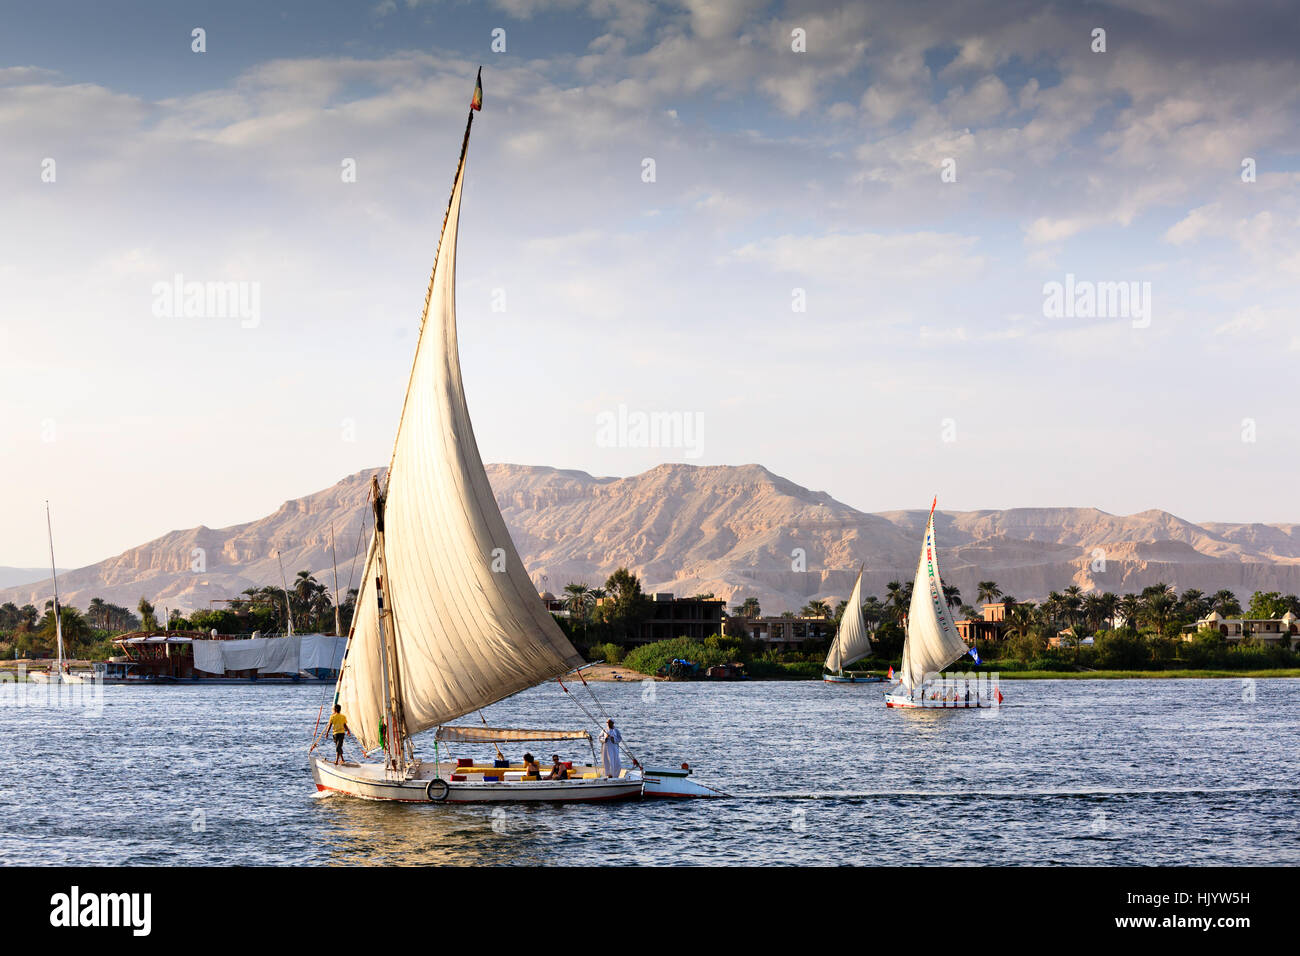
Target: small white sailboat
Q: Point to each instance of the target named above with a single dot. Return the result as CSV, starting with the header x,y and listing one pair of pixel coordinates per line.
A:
x,y
852,643
60,673
932,644
447,619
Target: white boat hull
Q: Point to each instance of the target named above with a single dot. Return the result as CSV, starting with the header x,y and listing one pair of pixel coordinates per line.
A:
x,y
925,700
46,677
851,679
430,783
674,783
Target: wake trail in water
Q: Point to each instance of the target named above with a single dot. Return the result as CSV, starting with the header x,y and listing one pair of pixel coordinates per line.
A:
x,y
1020,794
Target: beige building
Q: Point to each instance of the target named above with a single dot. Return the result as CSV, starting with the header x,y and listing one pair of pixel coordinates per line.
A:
x,y
781,633
1232,629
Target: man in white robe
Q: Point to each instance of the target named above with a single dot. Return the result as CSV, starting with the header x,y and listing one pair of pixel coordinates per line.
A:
x,y
609,741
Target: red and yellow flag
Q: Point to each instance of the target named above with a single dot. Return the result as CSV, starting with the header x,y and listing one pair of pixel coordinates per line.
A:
x,y
477,102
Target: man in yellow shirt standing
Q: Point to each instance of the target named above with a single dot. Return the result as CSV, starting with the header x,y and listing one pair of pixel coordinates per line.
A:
x,y
338,727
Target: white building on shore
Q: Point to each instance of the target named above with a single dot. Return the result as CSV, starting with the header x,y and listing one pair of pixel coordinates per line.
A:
x,y
1233,629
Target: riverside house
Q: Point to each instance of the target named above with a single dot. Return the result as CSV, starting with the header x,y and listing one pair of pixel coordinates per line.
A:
x,y
1233,629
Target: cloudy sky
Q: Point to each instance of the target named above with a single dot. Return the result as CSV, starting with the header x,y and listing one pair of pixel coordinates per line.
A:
x,y
911,175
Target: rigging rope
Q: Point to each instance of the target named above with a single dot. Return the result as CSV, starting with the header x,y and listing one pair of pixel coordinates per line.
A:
x,y
595,721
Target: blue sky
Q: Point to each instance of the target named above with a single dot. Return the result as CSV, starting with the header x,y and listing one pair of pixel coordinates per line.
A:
x,y
923,363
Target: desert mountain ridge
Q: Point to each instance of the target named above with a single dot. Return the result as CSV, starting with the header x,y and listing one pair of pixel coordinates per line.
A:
x,y
736,531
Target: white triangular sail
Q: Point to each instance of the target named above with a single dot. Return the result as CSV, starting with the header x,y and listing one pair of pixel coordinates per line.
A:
x,y
852,643
469,626
932,641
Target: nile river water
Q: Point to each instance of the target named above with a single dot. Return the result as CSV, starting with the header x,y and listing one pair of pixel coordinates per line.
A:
x,y
1074,772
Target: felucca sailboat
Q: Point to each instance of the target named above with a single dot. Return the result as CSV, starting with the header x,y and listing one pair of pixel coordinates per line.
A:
x,y
932,644
60,673
447,619
852,643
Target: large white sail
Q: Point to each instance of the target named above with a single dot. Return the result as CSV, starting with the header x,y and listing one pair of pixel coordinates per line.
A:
x,y
852,642
470,628
932,640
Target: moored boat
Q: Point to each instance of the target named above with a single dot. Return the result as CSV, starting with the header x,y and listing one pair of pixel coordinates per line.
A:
x,y
60,672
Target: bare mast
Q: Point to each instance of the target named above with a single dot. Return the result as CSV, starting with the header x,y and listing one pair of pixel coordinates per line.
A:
x,y
338,630
58,614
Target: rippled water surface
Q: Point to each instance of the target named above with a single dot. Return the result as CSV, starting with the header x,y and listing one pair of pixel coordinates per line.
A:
x,y
1074,772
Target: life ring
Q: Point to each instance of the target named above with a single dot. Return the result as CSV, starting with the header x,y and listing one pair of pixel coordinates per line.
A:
x,y
437,790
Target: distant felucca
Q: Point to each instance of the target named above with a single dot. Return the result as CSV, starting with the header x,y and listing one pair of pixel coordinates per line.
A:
x,y
932,644
60,673
447,620
852,643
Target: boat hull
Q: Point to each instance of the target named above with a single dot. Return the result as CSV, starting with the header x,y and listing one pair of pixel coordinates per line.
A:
x,y
370,782
45,677
675,783
904,701
851,679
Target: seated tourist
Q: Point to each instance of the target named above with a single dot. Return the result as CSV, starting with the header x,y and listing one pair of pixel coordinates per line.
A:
x,y
558,771
531,767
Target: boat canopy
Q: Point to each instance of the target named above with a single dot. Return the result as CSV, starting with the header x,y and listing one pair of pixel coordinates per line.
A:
x,y
490,735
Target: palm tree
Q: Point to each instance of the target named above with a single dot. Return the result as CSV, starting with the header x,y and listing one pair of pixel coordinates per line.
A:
x,y
1072,604
1093,610
1107,605
1226,603
1194,604
816,609
1051,609
148,619
951,595
579,597
579,602
873,612
97,611
894,598
1019,619
987,592
1159,607
1129,607
749,608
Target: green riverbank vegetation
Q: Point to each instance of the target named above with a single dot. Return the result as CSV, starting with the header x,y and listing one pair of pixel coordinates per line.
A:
x,y
28,632
1068,634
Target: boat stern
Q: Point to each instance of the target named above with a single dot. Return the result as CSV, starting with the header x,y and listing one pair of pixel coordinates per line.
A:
x,y
663,782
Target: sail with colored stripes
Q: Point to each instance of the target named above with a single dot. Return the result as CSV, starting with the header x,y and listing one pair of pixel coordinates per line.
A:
x,y
852,643
468,626
932,641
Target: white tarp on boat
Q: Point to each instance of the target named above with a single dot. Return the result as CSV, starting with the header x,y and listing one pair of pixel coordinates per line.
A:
x,y
208,657
932,641
280,655
470,627
321,652
270,655
244,655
